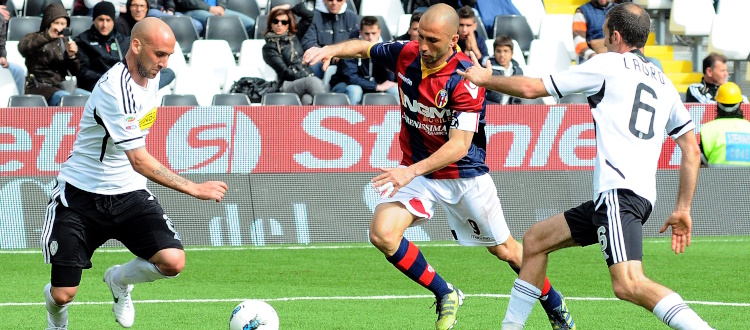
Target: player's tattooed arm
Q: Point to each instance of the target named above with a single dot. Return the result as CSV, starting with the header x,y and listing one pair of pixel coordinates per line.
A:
x,y
174,180
151,168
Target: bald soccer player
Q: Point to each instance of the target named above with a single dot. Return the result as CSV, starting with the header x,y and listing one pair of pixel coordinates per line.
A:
x,y
101,190
444,144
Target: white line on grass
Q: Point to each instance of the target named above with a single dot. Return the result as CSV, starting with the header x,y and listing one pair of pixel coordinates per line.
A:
x,y
337,247
204,301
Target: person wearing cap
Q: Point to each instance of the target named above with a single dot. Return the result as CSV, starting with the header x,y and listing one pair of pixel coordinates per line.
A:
x,y
725,141
50,56
102,46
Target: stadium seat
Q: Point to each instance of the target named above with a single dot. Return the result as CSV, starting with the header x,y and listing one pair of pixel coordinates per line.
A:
x,y
247,7
390,10
17,7
179,100
68,4
36,7
183,29
404,23
251,55
260,26
380,99
79,24
73,100
575,98
327,75
534,12
230,99
280,99
692,19
14,56
31,100
515,27
547,57
238,73
18,27
228,28
733,7
481,30
273,3
517,53
7,86
385,33
559,27
661,8
532,101
214,55
192,80
331,99
723,38
177,59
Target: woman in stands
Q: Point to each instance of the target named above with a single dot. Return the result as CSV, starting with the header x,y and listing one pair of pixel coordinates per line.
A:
x,y
283,52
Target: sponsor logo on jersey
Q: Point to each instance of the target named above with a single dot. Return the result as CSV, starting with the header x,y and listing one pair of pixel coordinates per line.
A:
x,y
53,247
441,99
148,120
428,112
404,79
130,119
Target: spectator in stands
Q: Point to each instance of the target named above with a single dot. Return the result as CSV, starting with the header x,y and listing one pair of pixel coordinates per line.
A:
x,y
714,75
588,32
83,7
283,52
358,76
503,64
726,139
331,23
136,12
50,56
101,47
16,70
468,37
413,32
161,8
303,10
203,9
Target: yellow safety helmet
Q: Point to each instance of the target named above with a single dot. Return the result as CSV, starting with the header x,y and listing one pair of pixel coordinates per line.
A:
x,y
729,93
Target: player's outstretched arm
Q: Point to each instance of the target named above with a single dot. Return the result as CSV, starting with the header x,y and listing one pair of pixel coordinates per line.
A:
x,y
354,48
457,147
518,86
148,166
680,219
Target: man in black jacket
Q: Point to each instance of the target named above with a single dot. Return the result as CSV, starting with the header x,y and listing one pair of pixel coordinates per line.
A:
x,y
357,76
101,47
331,23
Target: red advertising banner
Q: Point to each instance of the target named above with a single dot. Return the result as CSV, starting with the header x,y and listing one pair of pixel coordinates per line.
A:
x,y
275,139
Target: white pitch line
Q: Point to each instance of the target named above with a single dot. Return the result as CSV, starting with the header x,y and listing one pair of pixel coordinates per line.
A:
x,y
478,295
337,247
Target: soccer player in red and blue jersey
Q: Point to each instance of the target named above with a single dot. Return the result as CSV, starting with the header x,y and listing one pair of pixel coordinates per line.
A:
x,y
443,141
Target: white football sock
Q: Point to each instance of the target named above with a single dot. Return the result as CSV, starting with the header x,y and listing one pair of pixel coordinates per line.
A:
x,y
135,271
523,296
673,311
57,316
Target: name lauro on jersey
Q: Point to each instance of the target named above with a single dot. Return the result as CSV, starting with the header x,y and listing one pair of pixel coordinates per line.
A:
x,y
647,70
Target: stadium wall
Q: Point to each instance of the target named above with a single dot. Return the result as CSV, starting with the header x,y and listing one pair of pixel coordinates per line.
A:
x,y
300,175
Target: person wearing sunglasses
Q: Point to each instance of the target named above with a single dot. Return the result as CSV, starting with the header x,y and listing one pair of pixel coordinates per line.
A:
x,y
331,23
283,52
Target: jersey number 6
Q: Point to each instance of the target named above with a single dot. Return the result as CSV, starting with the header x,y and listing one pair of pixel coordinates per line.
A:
x,y
638,105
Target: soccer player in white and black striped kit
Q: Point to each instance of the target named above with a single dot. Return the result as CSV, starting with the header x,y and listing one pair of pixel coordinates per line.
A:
x,y
633,104
101,191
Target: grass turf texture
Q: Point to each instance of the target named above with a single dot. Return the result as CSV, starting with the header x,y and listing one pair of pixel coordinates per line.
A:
x,y
214,281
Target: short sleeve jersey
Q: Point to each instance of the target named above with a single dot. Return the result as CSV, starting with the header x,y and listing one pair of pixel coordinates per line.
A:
x,y
434,101
633,103
116,118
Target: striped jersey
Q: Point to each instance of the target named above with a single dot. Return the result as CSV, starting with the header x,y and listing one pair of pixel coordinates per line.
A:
x,y
633,103
434,101
116,118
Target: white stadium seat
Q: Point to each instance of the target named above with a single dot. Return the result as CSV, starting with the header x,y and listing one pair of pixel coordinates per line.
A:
x,y
661,7
559,27
547,57
390,10
14,56
192,80
251,55
733,7
215,55
7,87
534,12
691,17
726,39
404,22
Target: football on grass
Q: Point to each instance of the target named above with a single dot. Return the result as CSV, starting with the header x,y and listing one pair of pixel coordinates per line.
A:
x,y
254,315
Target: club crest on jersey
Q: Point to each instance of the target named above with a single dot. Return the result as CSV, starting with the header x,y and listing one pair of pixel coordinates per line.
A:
x,y
441,99
148,120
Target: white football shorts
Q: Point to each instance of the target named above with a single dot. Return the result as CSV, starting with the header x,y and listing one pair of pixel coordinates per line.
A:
x,y
472,207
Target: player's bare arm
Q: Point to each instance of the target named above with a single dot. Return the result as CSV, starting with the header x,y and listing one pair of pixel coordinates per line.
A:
x,y
148,166
354,48
452,151
518,86
680,219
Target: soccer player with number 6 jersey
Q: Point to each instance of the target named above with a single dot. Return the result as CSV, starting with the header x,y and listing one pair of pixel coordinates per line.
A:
x,y
633,103
443,141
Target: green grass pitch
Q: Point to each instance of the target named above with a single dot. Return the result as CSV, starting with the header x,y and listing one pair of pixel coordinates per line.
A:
x,y
351,286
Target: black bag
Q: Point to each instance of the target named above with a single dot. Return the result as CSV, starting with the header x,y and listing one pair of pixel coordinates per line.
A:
x,y
254,88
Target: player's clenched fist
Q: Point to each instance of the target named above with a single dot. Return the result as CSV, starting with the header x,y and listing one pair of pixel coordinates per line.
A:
x,y
211,190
